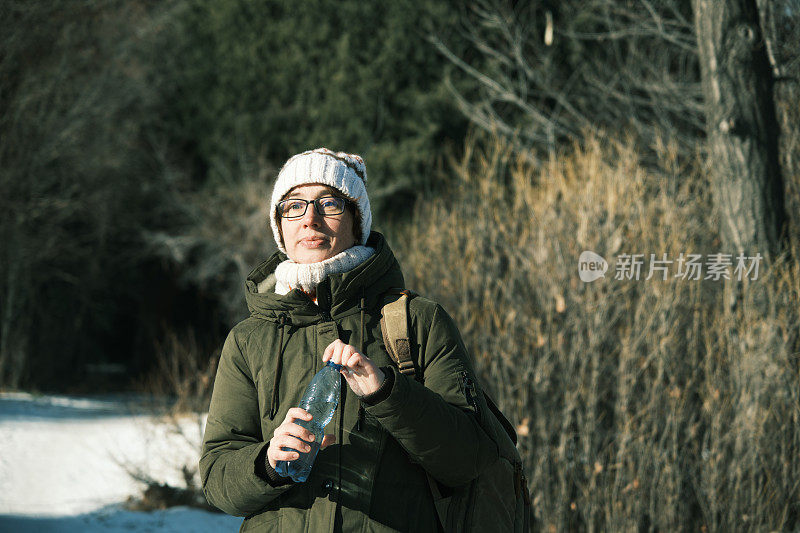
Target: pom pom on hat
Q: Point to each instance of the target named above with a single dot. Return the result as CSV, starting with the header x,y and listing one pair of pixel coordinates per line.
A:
x,y
345,172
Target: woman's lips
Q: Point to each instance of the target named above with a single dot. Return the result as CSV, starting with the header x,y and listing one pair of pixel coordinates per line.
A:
x,y
313,242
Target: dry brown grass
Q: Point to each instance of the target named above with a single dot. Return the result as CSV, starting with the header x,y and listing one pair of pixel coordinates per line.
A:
x,y
177,392
183,377
640,404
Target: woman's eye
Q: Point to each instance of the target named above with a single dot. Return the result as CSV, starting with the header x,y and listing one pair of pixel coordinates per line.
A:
x,y
328,203
295,206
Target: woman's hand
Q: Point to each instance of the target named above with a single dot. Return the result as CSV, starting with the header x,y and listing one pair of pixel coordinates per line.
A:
x,y
361,374
289,435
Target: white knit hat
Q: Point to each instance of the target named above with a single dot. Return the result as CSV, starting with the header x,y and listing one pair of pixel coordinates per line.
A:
x,y
344,172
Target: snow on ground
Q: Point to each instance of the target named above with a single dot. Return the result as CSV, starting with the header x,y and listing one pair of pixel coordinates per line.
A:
x,y
66,464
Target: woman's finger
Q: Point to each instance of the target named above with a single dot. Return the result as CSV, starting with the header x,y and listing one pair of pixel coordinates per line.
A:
x,y
297,413
291,428
286,455
288,441
347,353
279,454
294,430
275,454
354,360
328,353
331,350
361,365
338,347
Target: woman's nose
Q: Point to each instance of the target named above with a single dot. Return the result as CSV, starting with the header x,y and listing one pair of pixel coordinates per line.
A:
x,y
311,216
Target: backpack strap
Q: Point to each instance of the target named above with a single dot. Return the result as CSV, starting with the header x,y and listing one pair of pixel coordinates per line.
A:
x,y
394,327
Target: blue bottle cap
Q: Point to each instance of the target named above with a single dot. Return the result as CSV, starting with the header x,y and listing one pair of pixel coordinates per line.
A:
x,y
334,365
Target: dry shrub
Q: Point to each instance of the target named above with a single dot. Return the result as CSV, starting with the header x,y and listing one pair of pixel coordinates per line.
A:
x,y
183,377
640,404
177,393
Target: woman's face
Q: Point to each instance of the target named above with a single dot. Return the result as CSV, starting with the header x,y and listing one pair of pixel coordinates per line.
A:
x,y
312,237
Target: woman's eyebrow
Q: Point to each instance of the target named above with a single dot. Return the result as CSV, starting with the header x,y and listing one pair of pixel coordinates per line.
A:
x,y
319,195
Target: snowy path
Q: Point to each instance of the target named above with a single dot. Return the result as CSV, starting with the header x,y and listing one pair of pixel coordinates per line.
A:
x,y
64,466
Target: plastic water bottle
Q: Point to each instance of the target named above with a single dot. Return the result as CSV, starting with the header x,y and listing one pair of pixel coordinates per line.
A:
x,y
320,400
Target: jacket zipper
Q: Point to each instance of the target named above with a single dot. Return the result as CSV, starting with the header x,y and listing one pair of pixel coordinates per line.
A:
x,y
469,392
471,395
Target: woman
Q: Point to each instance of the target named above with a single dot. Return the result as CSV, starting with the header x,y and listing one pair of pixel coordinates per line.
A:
x,y
320,299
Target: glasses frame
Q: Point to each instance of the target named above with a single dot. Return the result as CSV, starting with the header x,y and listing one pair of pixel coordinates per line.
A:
x,y
315,201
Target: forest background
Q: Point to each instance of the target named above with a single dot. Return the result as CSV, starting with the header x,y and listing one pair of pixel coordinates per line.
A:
x,y
139,141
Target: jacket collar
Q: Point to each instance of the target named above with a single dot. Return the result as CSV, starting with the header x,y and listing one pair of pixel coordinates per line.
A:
x,y
338,295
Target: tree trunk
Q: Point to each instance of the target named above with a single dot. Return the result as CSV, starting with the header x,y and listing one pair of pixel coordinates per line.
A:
x,y
741,126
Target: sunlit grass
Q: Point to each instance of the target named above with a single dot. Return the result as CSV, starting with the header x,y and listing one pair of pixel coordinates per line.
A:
x,y
639,404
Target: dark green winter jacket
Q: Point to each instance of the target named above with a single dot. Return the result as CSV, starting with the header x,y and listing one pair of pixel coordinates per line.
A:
x,y
373,477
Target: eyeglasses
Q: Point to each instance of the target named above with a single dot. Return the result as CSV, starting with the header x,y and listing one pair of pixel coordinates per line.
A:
x,y
326,206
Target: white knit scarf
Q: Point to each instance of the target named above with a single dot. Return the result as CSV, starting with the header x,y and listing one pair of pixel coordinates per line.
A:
x,y
306,276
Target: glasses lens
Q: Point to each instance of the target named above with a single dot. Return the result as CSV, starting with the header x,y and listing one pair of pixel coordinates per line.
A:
x,y
330,205
292,208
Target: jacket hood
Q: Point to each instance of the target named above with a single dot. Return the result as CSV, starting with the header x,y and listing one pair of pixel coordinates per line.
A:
x,y
338,295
